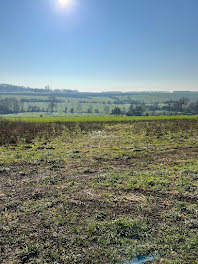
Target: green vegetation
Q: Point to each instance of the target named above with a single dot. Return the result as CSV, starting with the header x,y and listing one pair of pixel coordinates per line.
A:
x,y
26,101
97,118
98,192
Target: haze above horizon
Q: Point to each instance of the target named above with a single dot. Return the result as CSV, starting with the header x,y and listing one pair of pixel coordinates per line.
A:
x,y
100,45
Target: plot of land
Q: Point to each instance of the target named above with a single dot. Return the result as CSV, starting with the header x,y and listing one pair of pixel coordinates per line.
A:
x,y
101,193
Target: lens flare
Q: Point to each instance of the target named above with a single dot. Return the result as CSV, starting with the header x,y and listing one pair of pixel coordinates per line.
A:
x,y
64,3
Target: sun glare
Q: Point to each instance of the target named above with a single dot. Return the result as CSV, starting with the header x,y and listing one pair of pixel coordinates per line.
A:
x,y
64,3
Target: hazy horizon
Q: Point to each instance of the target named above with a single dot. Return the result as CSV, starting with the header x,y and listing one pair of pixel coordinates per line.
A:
x,y
113,87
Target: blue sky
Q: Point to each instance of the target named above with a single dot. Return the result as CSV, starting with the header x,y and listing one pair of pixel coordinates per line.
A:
x,y
98,45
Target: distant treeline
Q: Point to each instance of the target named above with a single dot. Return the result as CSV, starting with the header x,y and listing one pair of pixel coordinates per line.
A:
x,y
171,107
10,105
7,89
35,100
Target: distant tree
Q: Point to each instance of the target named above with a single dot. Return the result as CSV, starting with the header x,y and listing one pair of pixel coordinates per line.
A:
x,y
52,103
33,108
179,105
107,109
15,106
123,111
196,107
130,111
90,109
156,106
116,111
79,107
22,107
184,101
9,106
135,110
169,103
192,108
72,110
47,88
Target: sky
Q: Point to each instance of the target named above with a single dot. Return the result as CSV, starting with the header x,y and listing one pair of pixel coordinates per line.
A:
x,y
100,45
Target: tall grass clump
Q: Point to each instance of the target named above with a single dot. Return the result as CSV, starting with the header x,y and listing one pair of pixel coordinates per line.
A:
x,y
13,132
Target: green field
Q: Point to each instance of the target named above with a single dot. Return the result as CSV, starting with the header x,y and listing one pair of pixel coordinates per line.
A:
x,y
61,103
97,118
98,192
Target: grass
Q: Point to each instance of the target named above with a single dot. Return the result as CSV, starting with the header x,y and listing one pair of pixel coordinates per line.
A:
x,y
98,118
99,192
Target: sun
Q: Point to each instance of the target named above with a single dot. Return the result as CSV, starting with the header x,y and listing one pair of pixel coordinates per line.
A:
x,y
64,3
